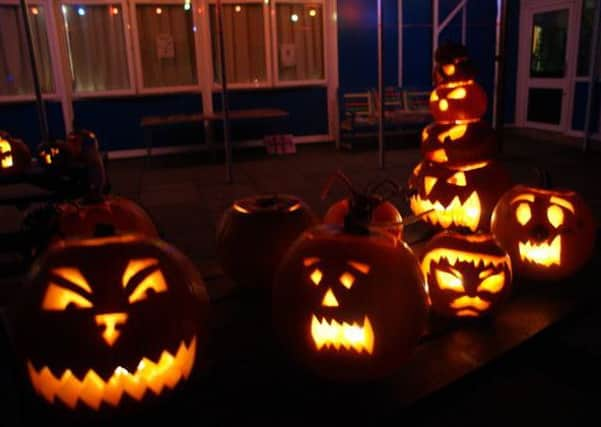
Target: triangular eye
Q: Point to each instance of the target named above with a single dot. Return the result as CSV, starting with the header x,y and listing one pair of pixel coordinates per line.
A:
x,y
459,93
458,179
147,272
433,96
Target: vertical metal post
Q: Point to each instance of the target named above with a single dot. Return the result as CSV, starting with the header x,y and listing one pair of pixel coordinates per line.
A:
x,y
224,95
592,81
464,24
499,96
380,87
41,108
435,19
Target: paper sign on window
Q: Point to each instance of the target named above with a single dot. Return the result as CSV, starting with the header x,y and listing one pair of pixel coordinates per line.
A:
x,y
165,46
287,55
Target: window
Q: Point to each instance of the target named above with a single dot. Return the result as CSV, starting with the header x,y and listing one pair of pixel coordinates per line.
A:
x,y
96,45
300,40
166,45
586,35
244,43
15,67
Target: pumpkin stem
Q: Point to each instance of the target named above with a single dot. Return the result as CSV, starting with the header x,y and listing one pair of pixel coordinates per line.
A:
x,y
342,177
104,230
544,178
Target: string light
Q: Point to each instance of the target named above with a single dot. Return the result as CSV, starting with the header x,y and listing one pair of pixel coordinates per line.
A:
x,y
158,10
294,17
35,11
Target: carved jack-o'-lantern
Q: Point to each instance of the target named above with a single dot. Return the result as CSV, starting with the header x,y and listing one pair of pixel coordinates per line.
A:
x,y
81,219
384,215
349,301
550,234
15,156
468,275
458,143
56,154
452,64
111,323
457,196
458,101
255,232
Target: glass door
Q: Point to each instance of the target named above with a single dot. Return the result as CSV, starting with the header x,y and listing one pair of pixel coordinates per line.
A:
x,y
546,65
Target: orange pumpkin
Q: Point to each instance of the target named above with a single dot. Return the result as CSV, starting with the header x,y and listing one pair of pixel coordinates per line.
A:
x,y
457,196
468,275
458,101
15,156
549,233
452,64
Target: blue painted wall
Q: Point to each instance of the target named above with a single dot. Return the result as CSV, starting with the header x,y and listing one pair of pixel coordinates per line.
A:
x,y
21,120
417,44
579,111
512,37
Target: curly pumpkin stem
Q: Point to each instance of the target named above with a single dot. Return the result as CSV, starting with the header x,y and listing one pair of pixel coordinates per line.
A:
x,y
544,178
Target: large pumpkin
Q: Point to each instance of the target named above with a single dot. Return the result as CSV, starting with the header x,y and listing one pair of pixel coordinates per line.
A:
x,y
108,324
549,234
456,144
82,218
457,196
458,101
15,156
255,232
468,275
349,301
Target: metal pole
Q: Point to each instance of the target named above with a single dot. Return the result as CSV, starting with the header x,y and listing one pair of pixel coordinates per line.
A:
x,y
41,108
380,87
592,81
499,93
224,96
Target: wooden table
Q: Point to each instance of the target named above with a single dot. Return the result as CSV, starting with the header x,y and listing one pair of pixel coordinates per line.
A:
x,y
149,122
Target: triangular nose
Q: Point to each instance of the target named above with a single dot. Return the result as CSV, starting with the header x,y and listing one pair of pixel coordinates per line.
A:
x,y
329,299
110,322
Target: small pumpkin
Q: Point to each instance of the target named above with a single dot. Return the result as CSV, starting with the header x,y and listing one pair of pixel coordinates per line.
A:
x,y
452,64
384,214
55,154
468,275
349,301
458,101
110,324
15,156
549,233
458,143
81,218
457,196
255,232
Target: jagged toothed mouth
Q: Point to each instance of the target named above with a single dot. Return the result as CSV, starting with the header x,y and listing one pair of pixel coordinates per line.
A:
x,y
545,253
466,214
478,260
92,390
334,334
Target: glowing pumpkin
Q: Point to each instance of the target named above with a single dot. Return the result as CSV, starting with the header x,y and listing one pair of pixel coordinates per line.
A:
x,y
384,215
468,275
549,234
349,301
457,196
458,143
15,156
458,101
55,154
255,232
452,64
81,219
110,324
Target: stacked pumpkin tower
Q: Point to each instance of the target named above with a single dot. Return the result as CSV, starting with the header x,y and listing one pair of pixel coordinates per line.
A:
x,y
458,182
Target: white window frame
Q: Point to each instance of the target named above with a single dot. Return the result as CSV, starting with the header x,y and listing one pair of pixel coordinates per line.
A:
x,y
141,89
47,96
208,46
125,17
297,83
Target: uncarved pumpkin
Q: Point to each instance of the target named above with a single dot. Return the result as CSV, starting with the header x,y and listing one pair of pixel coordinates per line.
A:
x,y
468,275
549,233
108,324
255,232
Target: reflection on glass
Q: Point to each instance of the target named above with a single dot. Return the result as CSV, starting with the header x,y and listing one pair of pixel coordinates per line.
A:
x,y
96,47
166,42
15,67
300,41
244,43
586,35
549,38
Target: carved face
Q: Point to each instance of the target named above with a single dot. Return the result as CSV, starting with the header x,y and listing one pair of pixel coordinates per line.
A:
x,y
549,234
458,101
55,154
467,275
14,156
349,306
459,196
452,64
458,143
255,232
97,330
